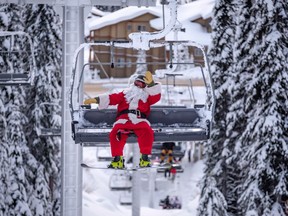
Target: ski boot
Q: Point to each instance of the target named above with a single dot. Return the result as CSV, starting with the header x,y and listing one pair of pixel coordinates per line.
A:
x,y
117,163
144,161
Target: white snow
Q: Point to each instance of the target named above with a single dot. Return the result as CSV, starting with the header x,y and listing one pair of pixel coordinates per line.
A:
x,y
98,199
122,15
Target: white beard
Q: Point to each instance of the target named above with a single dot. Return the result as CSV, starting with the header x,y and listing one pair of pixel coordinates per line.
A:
x,y
133,94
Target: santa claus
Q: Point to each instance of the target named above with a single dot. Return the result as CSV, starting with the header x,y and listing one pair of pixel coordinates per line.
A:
x,y
132,112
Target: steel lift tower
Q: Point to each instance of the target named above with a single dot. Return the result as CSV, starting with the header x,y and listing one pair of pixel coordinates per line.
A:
x,y
73,36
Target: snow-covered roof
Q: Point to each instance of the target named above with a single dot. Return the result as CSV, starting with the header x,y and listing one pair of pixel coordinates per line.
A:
x,y
187,13
196,9
127,13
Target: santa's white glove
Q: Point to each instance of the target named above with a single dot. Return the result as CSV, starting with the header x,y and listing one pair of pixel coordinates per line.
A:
x,y
149,79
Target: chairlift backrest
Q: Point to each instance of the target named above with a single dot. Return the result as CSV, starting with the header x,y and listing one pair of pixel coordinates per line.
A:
x,y
159,117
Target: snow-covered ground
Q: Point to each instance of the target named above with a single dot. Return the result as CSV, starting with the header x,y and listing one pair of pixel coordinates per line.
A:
x,y
99,199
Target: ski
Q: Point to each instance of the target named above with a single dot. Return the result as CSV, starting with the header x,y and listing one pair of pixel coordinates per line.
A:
x,y
124,169
168,165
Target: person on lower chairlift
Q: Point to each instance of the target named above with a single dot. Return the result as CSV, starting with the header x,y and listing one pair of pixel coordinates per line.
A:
x,y
132,111
167,149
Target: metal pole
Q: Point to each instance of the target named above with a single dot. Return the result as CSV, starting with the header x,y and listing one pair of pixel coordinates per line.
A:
x,y
71,195
136,182
152,185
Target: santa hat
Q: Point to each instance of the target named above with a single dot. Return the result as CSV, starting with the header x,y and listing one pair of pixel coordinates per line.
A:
x,y
140,78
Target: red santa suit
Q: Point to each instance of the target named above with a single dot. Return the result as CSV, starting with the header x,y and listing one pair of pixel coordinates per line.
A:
x,y
133,98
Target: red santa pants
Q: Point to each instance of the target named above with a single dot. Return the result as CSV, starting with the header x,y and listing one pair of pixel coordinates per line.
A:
x,y
142,130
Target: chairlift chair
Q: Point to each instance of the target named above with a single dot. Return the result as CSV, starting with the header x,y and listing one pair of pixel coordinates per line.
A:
x,y
125,198
50,132
17,60
91,127
120,182
103,154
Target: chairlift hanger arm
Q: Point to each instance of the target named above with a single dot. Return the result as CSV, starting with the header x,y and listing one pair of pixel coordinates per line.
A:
x,y
141,40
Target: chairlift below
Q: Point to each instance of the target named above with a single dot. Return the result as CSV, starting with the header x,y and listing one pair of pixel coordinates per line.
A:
x,y
17,60
120,182
49,109
103,154
125,198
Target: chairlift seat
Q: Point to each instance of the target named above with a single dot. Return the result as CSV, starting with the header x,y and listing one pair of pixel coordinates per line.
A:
x,y
169,124
175,153
162,169
14,79
50,132
126,198
120,183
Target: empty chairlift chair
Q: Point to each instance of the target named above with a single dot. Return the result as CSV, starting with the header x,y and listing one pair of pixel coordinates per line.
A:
x,y
103,154
125,198
120,182
17,60
52,109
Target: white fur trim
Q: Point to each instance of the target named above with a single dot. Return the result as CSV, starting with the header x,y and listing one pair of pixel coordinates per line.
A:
x,y
133,118
120,121
104,101
154,90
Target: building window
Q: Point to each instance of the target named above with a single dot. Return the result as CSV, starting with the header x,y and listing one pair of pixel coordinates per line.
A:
x,y
129,63
141,28
197,52
120,62
91,55
129,27
93,75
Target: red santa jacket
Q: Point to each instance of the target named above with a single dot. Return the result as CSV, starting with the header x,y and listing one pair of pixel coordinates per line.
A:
x,y
132,98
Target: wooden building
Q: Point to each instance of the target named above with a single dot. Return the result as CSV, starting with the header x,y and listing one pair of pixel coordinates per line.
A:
x,y
119,30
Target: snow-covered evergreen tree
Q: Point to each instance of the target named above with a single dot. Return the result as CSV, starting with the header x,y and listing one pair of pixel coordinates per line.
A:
x,y
15,185
16,198
35,180
43,24
108,8
39,196
265,135
184,57
212,201
219,155
3,155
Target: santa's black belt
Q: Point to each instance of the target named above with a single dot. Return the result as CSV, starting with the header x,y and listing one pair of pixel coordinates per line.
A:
x,y
136,112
